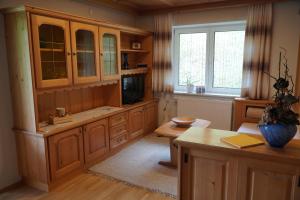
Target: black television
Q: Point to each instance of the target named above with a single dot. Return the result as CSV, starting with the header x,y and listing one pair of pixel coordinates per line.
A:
x,y
133,87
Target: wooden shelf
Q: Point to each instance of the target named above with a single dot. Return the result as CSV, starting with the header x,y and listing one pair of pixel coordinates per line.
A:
x,y
85,51
134,51
50,49
143,70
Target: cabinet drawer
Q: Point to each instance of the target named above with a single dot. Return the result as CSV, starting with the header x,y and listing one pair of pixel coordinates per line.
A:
x,y
118,130
118,119
118,141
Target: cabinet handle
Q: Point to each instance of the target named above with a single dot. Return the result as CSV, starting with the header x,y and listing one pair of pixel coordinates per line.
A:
x,y
74,54
68,53
101,54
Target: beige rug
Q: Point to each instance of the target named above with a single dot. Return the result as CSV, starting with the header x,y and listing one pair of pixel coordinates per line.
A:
x,y
138,165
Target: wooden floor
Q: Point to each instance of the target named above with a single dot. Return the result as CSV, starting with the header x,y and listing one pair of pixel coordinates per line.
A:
x,y
85,187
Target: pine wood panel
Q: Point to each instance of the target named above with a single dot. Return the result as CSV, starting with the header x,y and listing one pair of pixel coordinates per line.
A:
x,y
136,122
210,176
259,180
151,118
21,80
66,153
32,159
96,140
77,100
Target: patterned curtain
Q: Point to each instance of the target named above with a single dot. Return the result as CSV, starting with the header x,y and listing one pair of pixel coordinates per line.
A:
x,y
257,52
162,66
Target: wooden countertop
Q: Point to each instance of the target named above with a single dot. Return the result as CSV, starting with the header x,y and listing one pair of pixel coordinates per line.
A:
x,y
210,139
89,116
79,119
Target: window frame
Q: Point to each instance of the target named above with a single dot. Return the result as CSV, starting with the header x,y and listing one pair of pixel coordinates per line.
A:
x,y
210,30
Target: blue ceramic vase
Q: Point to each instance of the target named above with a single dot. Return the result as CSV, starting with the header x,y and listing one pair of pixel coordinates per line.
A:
x,y
278,135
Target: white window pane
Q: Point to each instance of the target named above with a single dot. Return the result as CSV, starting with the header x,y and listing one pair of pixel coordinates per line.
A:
x,y
228,59
192,58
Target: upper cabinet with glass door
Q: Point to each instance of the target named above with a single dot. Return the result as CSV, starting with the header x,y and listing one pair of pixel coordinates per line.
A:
x,y
52,51
110,53
85,51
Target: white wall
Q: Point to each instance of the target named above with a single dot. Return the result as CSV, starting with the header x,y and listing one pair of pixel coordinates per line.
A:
x,y
286,32
8,161
8,158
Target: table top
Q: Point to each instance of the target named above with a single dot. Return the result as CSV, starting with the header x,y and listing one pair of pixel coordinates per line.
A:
x,y
210,139
170,129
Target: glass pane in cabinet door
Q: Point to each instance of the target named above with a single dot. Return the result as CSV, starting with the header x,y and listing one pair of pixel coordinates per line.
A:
x,y
110,54
52,49
85,46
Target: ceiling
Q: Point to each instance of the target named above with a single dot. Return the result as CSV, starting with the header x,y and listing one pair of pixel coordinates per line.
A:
x,y
156,6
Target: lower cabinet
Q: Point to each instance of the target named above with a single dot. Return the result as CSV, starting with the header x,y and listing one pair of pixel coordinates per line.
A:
x,y
150,117
66,153
207,177
96,140
212,175
260,180
136,122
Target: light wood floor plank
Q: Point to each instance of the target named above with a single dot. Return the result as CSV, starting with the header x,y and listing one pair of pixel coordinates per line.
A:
x,y
88,187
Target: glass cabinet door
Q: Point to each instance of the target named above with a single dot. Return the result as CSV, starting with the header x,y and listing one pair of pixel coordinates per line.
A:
x,y
110,54
85,48
52,55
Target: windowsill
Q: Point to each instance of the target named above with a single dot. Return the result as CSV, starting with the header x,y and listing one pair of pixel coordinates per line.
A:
x,y
210,95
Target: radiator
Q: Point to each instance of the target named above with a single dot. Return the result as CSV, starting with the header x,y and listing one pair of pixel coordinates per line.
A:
x,y
218,111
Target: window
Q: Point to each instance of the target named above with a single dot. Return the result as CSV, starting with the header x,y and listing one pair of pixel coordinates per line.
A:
x,y
210,55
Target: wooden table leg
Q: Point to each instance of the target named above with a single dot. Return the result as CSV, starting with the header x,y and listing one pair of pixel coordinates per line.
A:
x,y
173,155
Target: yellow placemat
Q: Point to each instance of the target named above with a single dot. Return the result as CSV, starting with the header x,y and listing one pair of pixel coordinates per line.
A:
x,y
242,141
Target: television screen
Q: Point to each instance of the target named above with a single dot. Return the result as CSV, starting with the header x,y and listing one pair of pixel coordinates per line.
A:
x,y
133,88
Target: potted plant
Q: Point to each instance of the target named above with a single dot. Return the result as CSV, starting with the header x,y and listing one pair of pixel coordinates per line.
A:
x,y
189,83
279,121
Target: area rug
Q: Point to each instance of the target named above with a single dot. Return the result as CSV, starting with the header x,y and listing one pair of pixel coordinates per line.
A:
x,y
137,165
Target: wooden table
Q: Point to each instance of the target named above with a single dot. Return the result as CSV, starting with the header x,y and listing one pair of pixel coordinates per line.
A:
x,y
171,131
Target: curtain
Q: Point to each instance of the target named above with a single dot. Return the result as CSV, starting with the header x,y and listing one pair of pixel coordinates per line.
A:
x,y
162,62
256,82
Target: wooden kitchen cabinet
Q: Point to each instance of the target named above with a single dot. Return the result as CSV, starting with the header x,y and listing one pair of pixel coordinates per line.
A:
x,y
136,122
150,117
66,153
110,55
207,176
260,180
85,53
52,51
213,170
96,140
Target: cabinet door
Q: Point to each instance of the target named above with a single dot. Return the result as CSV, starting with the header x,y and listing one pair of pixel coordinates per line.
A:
x,y
110,53
208,176
52,52
150,117
136,122
65,153
261,180
85,52
96,140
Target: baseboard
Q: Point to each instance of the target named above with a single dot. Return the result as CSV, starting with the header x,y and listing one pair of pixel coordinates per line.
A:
x,y
12,186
